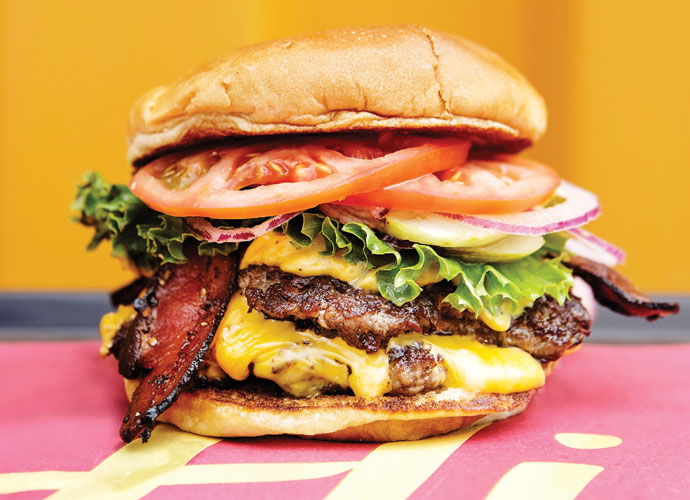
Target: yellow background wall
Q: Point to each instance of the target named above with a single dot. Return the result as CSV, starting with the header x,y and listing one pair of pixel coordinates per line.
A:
x,y
615,75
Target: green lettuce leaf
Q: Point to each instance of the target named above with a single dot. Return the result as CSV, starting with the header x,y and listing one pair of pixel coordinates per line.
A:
x,y
137,233
479,287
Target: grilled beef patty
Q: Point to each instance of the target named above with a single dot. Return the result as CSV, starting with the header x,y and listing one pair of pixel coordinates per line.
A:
x,y
366,320
414,369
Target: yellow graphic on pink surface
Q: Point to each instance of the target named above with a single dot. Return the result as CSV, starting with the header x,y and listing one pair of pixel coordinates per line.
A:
x,y
378,475
137,469
587,441
544,481
553,480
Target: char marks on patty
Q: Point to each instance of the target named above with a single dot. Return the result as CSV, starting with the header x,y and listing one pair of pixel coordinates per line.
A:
x,y
366,320
414,369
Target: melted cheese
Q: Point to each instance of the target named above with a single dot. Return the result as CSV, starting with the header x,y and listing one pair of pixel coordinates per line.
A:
x,y
303,363
276,249
499,320
111,323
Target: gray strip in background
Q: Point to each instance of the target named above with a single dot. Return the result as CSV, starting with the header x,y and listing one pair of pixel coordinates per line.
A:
x,y
53,316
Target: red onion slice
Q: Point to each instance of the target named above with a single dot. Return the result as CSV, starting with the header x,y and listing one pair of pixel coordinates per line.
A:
x,y
216,235
583,291
585,244
579,208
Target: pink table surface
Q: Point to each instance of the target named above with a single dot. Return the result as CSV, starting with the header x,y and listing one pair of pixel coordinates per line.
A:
x,y
61,407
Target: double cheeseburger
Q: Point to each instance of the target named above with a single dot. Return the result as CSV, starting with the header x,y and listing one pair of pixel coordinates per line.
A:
x,y
334,238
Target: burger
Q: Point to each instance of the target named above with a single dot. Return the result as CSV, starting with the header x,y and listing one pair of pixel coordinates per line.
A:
x,y
334,238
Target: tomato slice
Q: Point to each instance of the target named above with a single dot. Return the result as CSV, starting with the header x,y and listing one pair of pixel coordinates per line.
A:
x,y
279,176
501,184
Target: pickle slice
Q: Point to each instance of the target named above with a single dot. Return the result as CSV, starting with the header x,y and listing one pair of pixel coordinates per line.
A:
x,y
437,230
512,247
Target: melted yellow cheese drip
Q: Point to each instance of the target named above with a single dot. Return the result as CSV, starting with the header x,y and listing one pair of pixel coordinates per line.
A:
x,y
111,323
303,363
500,320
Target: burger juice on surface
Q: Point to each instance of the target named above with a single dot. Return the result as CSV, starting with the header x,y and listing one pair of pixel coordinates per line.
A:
x,y
335,239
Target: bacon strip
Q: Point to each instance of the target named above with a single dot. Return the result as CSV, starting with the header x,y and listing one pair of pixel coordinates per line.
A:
x,y
175,324
617,292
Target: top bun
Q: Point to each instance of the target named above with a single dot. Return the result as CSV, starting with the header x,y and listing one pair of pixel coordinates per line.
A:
x,y
377,78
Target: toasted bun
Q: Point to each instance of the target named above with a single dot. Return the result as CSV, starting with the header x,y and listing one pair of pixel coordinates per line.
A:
x,y
251,411
380,78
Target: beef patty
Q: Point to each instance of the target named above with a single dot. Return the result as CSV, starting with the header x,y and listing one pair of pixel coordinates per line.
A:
x,y
414,369
366,320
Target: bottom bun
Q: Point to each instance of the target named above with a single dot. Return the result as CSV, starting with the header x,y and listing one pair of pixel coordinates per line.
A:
x,y
254,408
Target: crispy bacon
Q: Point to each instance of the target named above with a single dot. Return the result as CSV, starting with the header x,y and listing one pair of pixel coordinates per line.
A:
x,y
617,292
175,323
